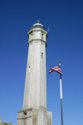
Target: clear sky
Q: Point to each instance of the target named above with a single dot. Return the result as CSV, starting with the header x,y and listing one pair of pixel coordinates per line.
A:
x,y
65,42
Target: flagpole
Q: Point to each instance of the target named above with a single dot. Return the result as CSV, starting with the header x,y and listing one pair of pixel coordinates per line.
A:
x,y
59,71
61,99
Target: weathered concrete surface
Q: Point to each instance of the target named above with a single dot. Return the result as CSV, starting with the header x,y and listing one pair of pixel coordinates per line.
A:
x,y
34,104
34,117
35,82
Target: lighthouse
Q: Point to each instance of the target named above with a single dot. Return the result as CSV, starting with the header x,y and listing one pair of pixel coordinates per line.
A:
x,y
34,111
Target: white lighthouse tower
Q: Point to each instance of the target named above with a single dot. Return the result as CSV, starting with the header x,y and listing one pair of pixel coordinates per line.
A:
x,y
34,104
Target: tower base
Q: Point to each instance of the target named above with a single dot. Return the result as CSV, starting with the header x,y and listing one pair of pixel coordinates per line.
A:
x,y
34,117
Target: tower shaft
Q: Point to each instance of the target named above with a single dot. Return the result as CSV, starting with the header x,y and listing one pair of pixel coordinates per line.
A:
x,y
35,82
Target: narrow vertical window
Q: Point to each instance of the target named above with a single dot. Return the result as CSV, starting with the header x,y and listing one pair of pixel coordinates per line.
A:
x,y
42,54
29,68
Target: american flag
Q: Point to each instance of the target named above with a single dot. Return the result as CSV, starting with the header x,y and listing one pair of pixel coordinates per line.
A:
x,y
56,69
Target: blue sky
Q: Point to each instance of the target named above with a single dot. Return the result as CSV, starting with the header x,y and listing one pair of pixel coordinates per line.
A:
x,y
65,42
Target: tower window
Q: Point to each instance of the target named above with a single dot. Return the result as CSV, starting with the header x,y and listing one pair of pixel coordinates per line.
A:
x,y
42,54
29,68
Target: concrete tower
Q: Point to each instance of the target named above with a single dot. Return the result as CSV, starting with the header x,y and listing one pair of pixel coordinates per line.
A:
x,y
34,104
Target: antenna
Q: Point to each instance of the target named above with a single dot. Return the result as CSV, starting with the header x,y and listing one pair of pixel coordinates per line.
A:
x,y
38,21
